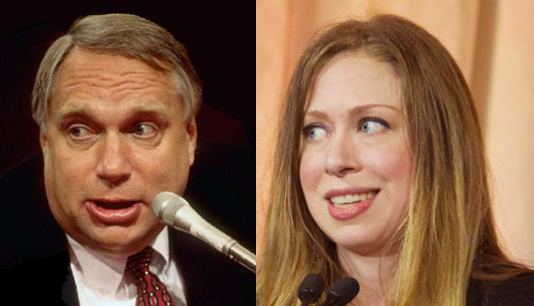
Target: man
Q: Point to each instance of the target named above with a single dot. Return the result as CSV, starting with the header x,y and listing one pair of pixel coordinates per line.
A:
x,y
115,99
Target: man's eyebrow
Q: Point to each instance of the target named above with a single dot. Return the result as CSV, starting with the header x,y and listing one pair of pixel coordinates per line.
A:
x,y
86,111
149,108
73,111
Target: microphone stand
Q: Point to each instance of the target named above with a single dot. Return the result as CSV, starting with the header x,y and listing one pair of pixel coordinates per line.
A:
x,y
238,253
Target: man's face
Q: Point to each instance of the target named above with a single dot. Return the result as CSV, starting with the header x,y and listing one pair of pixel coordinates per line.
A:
x,y
115,138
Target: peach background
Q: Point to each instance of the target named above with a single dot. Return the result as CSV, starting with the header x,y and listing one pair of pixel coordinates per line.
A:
x,y
491,40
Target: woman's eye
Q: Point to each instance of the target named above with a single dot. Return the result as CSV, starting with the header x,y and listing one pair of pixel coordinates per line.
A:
x,y
314,132
144,130
372,125
80,132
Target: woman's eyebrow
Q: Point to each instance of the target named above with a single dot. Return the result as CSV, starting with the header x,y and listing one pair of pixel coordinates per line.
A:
x,y
315,114
318,114
365,107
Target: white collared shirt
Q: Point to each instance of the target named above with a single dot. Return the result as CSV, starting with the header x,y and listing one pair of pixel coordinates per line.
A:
x,y
100,279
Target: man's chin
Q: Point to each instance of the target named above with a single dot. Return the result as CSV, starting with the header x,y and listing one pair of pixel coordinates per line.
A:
x,y
121,241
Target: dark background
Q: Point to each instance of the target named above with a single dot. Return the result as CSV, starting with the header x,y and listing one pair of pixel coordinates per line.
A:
x,y
220,38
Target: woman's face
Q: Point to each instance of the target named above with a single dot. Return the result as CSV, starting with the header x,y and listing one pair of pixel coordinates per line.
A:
x,y
355,163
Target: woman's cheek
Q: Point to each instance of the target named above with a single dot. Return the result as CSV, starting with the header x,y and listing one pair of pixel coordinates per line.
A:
x,y
310,172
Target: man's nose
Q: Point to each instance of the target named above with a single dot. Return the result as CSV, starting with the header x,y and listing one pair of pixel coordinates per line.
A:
x,y
113,166
342,156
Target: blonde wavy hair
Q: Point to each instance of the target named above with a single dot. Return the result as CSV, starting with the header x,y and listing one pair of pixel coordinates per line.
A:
x,y
448,237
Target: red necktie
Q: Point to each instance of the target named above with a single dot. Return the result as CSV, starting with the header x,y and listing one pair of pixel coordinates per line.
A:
x,y
150,290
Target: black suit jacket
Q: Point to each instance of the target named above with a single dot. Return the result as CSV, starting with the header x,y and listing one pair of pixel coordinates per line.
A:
x,y
34,261
209,278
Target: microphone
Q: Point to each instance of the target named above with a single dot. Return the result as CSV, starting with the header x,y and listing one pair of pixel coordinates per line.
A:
x,y
342,292
175,211
310,289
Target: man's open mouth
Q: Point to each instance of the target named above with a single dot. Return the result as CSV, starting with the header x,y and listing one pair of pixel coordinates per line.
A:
x,y
114,211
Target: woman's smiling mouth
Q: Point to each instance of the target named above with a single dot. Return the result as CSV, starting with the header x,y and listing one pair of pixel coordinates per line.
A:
x,y
347,204
347,199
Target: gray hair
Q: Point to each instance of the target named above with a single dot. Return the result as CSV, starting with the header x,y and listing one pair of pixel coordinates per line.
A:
x,y
126,35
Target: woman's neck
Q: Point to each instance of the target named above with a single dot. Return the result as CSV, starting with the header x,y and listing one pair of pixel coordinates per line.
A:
x,y
374,274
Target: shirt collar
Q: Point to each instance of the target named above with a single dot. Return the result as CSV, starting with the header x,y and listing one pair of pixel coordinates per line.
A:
x,y
104,274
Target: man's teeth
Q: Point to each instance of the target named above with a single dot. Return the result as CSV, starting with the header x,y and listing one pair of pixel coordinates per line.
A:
x,y
351,198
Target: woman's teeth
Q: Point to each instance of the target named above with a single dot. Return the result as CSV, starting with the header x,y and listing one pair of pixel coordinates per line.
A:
x,y
351,198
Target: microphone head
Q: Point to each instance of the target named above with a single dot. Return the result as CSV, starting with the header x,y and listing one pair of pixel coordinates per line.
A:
x,y
166,204
342,291
310,288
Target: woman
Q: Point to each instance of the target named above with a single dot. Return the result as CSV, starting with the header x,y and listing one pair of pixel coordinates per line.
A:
x,y
380,174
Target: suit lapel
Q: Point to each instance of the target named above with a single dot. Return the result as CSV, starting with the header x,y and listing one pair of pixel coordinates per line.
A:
x,y
181,244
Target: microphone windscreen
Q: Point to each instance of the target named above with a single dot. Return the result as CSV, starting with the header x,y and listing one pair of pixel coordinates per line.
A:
x,y
310,288
166,204
343,291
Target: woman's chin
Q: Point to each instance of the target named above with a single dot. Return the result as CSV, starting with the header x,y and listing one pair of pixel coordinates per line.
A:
x,y
360,244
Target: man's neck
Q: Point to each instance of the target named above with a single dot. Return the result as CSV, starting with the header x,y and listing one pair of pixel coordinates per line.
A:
x,y
103,273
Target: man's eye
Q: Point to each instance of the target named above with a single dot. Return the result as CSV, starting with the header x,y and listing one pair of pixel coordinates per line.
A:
x,y
80,132
372,125
314,132
145,130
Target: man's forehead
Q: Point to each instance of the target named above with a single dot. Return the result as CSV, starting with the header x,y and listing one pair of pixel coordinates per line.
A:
x,y
88,80
80,56
106,69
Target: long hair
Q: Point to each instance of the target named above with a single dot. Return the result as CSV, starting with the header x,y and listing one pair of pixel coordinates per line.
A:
x,y
448,237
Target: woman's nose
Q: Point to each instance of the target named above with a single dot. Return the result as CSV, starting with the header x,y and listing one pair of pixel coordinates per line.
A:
x,y
342,156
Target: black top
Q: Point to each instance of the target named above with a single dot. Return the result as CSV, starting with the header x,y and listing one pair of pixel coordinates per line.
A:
x,y
516,291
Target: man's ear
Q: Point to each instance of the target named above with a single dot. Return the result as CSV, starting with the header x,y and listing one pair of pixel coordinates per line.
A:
x,y
191,130
43,141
